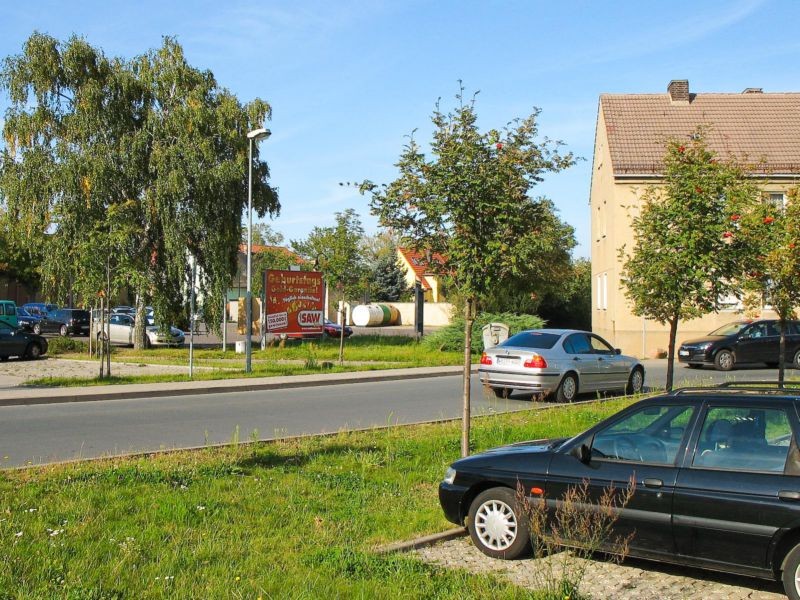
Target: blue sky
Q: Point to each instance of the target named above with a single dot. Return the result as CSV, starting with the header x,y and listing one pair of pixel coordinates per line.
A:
x,y
348,80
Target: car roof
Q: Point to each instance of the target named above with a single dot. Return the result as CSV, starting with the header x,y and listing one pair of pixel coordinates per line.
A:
x,y
554,331
759,390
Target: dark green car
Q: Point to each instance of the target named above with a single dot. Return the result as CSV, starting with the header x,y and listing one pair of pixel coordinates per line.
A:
x,y
16,342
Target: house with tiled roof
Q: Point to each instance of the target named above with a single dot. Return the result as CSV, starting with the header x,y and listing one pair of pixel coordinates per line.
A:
x,y
761,130
425,269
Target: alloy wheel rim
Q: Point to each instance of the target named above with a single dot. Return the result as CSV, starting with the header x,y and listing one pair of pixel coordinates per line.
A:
x,y
797,580
569,388
725,360
636,381
496,525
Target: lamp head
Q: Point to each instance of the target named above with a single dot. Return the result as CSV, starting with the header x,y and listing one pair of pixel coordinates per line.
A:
x,y
259,134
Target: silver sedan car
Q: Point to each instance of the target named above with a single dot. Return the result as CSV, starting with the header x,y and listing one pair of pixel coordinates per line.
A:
x,y
561,361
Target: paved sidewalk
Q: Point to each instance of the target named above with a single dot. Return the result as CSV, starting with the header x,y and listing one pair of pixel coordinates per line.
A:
x,y
633,580
24,396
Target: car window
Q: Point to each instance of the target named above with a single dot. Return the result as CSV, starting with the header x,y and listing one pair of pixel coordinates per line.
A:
x,y
577,343
10,309
532,339
773,329
600,346
652,434
729,329
744,439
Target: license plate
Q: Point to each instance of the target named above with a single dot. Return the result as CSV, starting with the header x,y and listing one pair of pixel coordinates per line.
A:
x,y
683,353
504,360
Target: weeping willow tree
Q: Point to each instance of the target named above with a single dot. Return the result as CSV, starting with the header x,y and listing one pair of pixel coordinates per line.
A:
x,y
125,168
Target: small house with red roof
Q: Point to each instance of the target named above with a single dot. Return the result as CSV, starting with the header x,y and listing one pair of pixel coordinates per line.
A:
x,y
427,269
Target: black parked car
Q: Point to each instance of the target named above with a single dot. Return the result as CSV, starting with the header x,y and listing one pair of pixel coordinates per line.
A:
x,y
40,323
717,474
743,342
16,342
76,321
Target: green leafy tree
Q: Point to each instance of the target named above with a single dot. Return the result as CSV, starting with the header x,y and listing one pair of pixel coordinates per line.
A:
x,y
469,201
388,281
263,235
132,165
336,252
682,264
768,239
571,305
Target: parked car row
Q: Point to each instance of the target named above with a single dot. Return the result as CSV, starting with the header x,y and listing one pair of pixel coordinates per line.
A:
x,y
120,330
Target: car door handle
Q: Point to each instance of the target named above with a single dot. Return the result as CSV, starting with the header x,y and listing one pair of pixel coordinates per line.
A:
x,y
788,495
576,358
652,483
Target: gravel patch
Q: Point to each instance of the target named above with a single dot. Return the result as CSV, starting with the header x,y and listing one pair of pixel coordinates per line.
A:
x,y
633,580
16,372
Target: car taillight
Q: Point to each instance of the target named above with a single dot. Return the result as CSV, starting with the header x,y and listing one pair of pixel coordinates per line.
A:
x,y
486,359
535,362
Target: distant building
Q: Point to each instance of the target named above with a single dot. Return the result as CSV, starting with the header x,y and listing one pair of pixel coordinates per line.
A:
x,y
632,129
426,270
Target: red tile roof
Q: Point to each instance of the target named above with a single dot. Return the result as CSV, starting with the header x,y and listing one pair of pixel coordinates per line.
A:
x,y
761,129
420,265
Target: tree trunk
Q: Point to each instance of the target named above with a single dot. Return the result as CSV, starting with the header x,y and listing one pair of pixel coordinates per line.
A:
x,y
673,330
782,351
465,419
140,324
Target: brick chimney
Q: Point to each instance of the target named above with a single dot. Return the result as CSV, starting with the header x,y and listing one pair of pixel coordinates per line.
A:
x,y
679,91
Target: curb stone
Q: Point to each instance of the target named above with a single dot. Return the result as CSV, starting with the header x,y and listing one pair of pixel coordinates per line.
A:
x,y
422,542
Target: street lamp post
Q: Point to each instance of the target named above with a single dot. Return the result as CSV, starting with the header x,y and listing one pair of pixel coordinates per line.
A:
x,y
253,136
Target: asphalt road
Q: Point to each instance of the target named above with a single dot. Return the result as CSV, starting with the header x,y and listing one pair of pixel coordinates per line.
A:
x,y
46,433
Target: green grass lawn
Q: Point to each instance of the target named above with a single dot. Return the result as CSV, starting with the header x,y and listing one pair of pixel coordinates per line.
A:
x,y
293,519
362,353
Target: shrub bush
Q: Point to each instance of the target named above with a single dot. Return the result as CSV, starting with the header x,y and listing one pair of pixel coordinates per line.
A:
x,y
61,345
451,337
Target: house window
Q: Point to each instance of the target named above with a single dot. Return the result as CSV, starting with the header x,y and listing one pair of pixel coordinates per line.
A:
x,y
777,199
602,291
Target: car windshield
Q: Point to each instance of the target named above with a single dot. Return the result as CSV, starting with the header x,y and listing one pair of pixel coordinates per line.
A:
x,y
532,339
730,328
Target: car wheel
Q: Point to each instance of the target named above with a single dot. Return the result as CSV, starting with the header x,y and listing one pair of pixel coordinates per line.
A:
x,y
791,574
496,526
147,343
3,358
635,382
723,361
63,331
33,351
37,329
567,389
501,392
796,361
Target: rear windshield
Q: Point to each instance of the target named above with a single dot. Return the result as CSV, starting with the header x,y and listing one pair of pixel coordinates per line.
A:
x,y
730,328
77,314
532,339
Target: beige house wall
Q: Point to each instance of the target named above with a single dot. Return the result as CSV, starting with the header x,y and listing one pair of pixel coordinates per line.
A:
x,y
435,293
613,203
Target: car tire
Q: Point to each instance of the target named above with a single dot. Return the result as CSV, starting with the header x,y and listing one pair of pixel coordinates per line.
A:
x,y
567,390
37,329
790,577
33,351
147,343
635,382
501,392
723,361
496,525
3,358
63,331
796,360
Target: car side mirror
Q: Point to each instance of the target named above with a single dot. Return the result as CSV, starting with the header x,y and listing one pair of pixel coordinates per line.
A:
x,y
582,452
617,351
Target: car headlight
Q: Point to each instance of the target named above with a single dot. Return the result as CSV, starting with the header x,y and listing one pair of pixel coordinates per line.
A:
x,y
704,346
450,475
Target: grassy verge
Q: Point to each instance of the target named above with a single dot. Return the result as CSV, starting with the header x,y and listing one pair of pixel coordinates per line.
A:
x,y
362,353
295,519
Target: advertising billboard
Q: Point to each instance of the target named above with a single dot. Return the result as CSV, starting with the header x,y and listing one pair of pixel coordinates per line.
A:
x,y
295,302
